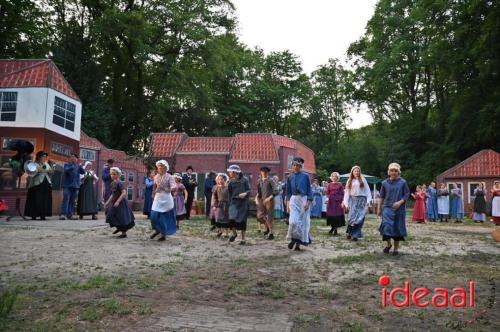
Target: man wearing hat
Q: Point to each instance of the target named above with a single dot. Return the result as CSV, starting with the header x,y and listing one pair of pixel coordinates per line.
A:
x,y
265,201
189,181
299,198
106,178
71,186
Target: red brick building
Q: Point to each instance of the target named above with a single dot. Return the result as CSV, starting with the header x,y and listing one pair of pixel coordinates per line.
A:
x,y
250,151
483,167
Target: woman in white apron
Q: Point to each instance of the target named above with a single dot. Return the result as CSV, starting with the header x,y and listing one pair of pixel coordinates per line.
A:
x,y
162,211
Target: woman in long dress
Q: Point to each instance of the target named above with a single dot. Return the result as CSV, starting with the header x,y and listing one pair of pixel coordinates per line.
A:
x,y
317,192
334,212
393,196
148,193
357,194
278,199
163,212
479,210
180,199
118,213
87,197
39,197
457,206
443,203
239,194
495,203
419,207
432,209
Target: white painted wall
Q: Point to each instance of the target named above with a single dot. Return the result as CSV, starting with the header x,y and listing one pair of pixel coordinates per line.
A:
x,y
35,109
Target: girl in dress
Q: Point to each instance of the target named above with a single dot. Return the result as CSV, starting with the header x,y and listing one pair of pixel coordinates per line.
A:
x,y
220,205
239,194
118,213
162,211
479,210
148,193
334,211
431,209
419,208
87,198
180,199
495,203
278,199
457,206
317,192
443,203
356,198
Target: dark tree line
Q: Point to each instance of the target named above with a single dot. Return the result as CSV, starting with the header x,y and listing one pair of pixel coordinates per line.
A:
x,y
428,71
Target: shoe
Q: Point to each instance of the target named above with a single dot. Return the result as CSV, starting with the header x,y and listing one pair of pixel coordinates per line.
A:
x,y
290,245
232,238
219,234
116,231
42,218
62,218
122,236
162,238
271,236
297,247
212,228
330,231
354,239
81,217
349,237
94,217
266,232
387,249
177,227
33,218
242,243
335,232
155,234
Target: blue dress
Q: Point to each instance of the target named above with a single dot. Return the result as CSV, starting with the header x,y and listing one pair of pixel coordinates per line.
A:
x,y
120,217
432,208
317,201
393,224
148,196
457,206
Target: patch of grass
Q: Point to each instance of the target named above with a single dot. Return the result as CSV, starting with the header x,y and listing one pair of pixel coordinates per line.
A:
x,y
351,327
90,314
302,322
326,293
95,282
168,269
278,292
7,301
115,307
114,286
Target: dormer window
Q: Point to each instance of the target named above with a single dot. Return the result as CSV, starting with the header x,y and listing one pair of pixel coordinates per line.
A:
x,y
64,114
8,105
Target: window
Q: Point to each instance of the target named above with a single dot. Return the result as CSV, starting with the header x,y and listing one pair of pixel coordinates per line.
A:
x,y
289,161
130,193
130,177
64,114
472,187
122,177
8,105
86,154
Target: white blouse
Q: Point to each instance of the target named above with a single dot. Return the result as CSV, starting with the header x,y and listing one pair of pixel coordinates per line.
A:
x,y
356,190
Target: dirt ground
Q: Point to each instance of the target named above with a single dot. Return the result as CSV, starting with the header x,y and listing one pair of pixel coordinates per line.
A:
x,y
76,276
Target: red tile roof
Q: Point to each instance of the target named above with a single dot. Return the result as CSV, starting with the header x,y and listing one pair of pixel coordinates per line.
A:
x,y
165,145
285,141
90,142
216,145
254,147
34,73
484,164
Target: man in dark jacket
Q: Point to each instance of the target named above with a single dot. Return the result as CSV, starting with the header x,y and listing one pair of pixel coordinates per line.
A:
x,y
71,185
189,181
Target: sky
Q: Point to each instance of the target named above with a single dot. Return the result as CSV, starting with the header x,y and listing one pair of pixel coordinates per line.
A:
x,y
315,30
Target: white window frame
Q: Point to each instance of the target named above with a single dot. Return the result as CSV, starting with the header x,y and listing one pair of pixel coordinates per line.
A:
x,y
471,193
129,193
84,153
10,102
67,111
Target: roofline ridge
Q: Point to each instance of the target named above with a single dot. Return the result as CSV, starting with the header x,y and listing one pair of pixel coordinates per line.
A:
x,y
53,65
463,162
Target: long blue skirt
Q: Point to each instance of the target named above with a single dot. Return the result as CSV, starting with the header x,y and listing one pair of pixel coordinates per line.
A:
x,y
164,222
393,222
457,208
316,207
432,208
356,216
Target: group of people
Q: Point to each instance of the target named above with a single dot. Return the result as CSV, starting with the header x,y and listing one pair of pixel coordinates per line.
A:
x,y
433,205
78,189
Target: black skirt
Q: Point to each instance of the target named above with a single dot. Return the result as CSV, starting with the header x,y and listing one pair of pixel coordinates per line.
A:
x,y
87,199
335,221
240,226
39,201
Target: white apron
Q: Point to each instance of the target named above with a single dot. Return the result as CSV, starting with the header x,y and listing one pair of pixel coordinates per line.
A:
x,y
300,220
163,202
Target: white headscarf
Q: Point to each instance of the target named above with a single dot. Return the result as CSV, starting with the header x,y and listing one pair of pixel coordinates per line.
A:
x,y
117,170
164,163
